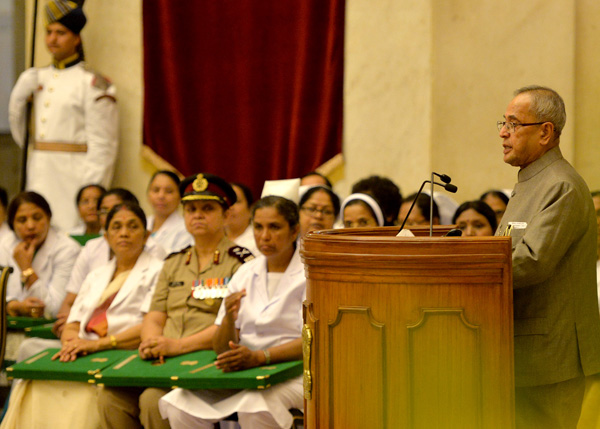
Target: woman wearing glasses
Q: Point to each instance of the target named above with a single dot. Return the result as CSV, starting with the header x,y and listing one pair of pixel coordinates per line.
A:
x,y
319,208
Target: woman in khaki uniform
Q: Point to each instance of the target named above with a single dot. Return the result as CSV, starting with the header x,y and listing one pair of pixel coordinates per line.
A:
x,y
181,317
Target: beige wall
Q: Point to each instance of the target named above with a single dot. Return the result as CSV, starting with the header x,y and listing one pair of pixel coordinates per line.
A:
x,y
387,91
425,83
483,52
586,112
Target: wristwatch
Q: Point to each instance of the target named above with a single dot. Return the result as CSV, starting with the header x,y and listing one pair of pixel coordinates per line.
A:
x,y
26,274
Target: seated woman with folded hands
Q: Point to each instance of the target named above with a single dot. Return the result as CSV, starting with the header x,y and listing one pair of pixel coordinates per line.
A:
x,y
107,314
109,317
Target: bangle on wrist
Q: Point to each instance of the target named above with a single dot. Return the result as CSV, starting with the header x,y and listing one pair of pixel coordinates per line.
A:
x,y
267,356
25,274
113,342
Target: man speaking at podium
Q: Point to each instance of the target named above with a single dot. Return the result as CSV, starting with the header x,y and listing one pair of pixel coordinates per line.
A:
x,y
551,220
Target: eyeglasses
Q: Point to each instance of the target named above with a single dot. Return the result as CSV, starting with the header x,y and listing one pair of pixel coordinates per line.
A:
x,y
511,126
312,211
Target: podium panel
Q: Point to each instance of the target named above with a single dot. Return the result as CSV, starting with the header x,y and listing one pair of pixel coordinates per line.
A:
x,y
408,332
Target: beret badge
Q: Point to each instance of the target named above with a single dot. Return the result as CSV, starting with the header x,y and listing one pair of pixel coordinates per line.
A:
x,y
200,184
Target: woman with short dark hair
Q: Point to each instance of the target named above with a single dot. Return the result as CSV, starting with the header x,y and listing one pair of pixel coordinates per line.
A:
x,y
475,218
132,273
41,257
97,252
319,208
238,225
87,207
166,224
420,214
497,200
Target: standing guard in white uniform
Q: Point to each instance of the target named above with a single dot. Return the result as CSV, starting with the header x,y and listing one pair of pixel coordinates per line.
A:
x,y
75,119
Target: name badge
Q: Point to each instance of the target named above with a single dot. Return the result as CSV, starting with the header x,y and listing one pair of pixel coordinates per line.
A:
x,y
518,225
210,288
175,284
513,225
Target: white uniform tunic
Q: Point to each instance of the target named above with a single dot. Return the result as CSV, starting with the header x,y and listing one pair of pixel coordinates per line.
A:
x,y
77,230
96,253
263,323
5,231
53,263
125,310
172,235
72,105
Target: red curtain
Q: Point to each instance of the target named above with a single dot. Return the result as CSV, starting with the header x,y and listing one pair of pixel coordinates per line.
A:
x,y
246,89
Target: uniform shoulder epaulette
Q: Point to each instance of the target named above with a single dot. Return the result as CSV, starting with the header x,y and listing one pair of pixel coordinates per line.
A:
x,y
184,250
98,81
241,253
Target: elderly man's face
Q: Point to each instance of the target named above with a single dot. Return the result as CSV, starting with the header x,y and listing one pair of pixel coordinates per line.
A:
x,y
522,146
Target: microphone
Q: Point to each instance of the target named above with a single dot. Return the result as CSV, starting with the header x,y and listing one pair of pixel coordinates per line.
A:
x,y
446,185
443,177
451,188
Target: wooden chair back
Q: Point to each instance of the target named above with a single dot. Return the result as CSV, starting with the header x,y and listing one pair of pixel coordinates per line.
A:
x,y
4,273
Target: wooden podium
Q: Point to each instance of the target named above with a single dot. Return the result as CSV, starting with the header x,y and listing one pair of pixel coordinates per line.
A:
x,y
407,332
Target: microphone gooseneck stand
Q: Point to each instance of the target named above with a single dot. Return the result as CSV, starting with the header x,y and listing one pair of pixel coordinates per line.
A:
x,y
446,185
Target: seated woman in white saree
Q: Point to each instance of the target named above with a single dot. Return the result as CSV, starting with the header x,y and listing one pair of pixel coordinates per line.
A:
x,y
106,314
259,323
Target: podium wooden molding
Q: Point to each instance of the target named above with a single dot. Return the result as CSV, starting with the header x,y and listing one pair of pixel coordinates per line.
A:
x,y
408,332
